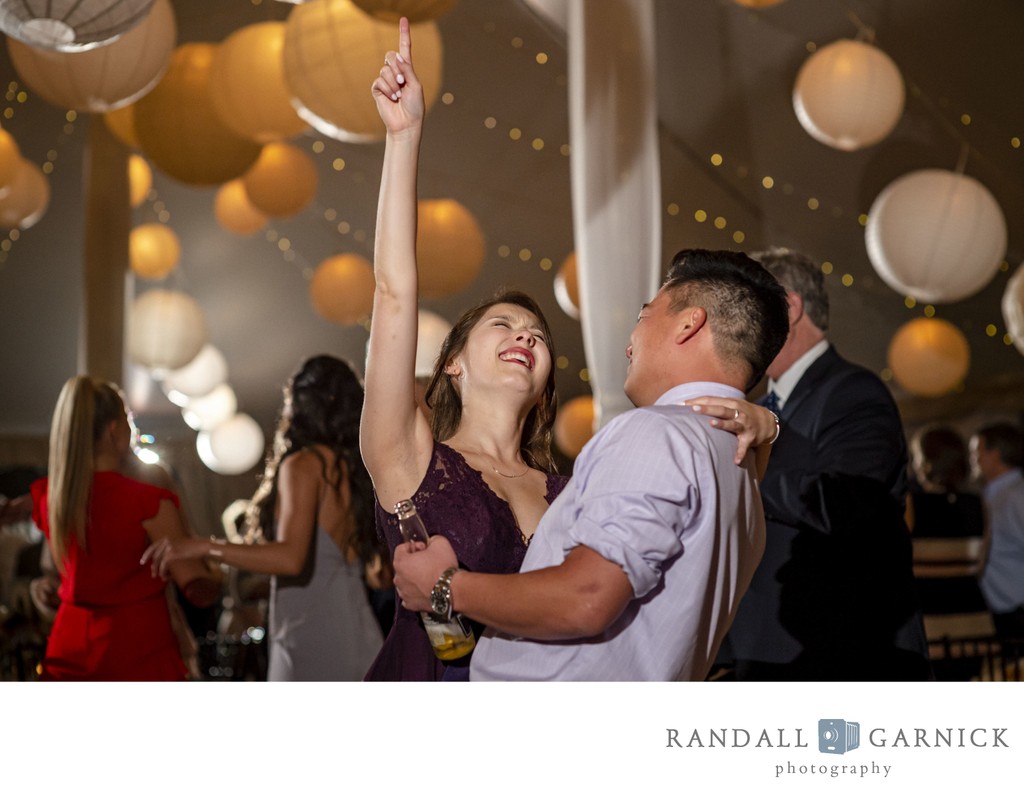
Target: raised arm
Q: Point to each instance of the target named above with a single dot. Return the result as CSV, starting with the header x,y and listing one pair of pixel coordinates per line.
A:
x,y
395,437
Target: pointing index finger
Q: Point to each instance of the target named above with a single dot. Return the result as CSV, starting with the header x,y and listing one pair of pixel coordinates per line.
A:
x,y
404,40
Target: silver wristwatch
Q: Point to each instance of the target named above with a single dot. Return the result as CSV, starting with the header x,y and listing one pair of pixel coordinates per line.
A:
x,y
441,596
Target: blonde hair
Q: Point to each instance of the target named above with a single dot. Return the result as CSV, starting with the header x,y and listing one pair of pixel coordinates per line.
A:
x,y
85,407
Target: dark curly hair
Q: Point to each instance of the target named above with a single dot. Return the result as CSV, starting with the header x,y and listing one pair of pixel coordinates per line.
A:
x,y
323,401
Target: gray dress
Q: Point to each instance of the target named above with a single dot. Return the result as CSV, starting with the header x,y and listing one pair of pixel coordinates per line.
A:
x,y
321,626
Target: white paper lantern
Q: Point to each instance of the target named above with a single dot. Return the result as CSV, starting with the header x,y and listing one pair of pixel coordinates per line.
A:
x,y
848,95
104,78
431,332
232,447
166,329
1013,308
197,378
203,413
936,235
70,25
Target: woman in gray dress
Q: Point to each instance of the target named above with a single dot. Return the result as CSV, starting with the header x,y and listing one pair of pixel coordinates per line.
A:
x,y
312,522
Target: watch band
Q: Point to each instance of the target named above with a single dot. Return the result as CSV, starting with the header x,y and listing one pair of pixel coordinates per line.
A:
x,y
441,596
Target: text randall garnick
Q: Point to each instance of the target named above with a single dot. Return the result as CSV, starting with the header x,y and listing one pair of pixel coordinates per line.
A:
x,y
784,738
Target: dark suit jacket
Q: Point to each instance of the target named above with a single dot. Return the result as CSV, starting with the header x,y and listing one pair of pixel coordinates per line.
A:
x,y
834,596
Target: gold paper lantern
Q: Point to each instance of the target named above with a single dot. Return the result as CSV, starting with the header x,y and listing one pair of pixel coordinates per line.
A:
x,y
450,247
247,85
179,130
282,181
566,285
140,180
929,356
10,157
153,250
333,51
416,10
235,212
574,425
166,329
24,201
342,289
121,123
106,77
758,3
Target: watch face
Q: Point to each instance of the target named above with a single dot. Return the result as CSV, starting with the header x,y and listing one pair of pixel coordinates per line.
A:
x,y
439,602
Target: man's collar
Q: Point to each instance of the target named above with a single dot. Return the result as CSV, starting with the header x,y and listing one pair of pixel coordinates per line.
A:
x,y
783,386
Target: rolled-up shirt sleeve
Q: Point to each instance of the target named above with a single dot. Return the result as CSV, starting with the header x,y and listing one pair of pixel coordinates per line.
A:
x,y
636,494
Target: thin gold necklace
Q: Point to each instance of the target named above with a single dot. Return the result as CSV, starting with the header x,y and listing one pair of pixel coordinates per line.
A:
x,y
510,476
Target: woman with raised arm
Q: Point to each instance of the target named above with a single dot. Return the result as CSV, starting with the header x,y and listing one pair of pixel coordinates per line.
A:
x,y
114,621
313,515
481,471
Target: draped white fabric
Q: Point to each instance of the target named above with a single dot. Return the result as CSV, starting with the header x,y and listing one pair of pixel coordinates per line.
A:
x,y
616,187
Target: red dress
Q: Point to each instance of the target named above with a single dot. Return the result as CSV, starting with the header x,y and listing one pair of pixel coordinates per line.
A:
x,y
113,623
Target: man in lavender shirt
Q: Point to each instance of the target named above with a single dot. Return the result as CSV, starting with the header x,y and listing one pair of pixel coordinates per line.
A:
x,y
636,571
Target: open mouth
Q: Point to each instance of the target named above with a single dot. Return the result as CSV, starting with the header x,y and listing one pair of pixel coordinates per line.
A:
x,y
517,355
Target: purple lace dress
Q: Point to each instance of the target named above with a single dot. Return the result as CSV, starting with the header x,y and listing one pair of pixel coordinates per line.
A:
x,y
452,500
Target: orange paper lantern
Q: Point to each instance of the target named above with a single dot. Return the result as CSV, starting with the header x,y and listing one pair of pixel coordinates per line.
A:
x,y
102,78
282,182
247,85
450,247
179,129
235,212
342,289
24,201
929,356
153,250
566,285
574,425
10,157
140,180
333,51
121,123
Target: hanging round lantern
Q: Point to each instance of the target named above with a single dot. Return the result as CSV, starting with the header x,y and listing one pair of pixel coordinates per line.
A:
x,y
567,292
929,356
235,212
166,329
936,235
197,378
342,289
1013,308
153,250
431,331
103,78
232,447
179,130
848,95
450,247
247,85
392,11
140,179
574,425
758,3
10,157
70,25
24,201
282,182
332,50
203,413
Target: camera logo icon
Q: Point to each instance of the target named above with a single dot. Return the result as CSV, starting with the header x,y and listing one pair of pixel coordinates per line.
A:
x,y
836,736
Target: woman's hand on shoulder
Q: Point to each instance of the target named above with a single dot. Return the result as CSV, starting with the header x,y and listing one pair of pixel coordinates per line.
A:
x,y
397,90
752,424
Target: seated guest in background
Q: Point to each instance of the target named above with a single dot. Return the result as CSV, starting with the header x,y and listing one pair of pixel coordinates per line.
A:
x,y
114,621
314,513
834,597
996,454
637,569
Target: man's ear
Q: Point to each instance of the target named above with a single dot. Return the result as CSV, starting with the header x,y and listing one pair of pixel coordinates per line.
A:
x,y
691,321
796,307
